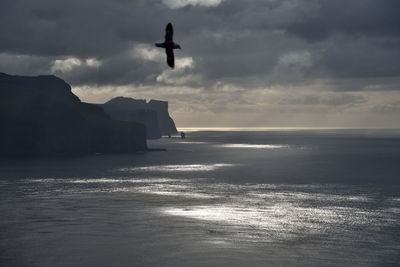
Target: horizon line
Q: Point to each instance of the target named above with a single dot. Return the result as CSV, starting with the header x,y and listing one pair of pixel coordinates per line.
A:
x,y
189,129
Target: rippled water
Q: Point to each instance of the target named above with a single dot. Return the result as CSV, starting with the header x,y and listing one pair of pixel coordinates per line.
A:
x,y
301,198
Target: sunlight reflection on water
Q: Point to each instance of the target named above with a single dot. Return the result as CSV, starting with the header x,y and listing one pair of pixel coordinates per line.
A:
x,y
283,220
264,212
213,199
230,216
190,142
173,168
256,146
108,180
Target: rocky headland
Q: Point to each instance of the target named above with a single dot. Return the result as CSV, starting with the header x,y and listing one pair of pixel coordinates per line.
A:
x,y
154,114
41,116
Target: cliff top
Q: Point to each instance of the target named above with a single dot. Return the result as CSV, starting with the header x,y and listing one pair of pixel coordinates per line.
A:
x,y
128,103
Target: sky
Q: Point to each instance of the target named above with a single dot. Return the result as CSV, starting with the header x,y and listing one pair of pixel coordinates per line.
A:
x,y
253,63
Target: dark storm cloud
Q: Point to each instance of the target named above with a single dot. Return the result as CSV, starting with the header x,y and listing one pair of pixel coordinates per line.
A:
x,y
28,65
352,17
363,57
246,43
79,28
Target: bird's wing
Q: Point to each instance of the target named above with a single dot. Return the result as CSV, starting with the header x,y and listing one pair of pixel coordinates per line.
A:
x,y
169,32
170,57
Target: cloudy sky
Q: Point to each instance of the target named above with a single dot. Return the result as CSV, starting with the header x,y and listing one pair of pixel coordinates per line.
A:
x,y
257,63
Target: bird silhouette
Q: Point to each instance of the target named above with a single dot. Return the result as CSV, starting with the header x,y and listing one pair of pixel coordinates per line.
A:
x,y
169,45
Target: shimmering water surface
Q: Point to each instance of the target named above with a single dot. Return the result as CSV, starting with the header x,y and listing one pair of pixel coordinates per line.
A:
x,y
233,198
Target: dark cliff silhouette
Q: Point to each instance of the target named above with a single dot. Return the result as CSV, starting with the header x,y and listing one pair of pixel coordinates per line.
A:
x,y
153,114
41,116
169,45
118,111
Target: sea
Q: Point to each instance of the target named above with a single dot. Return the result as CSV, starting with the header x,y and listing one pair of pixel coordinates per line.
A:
x,y
220,197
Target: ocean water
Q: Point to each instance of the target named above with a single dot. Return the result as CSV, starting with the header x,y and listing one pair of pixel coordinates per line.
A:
x,y
216,198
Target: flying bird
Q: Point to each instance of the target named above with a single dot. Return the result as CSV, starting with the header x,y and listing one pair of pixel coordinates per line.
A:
x,y
169,45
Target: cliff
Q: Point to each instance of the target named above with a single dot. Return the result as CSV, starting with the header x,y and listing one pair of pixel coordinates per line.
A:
x,y
165,122
145,116
153,114
41,116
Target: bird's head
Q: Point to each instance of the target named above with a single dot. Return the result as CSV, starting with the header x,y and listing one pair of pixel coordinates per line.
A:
x,y
179,47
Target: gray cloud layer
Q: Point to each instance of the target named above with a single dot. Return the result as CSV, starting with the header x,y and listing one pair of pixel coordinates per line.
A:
x,y
231,45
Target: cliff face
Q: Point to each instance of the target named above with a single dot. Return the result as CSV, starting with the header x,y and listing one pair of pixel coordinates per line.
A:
x,y
153,114
167,125
40,115
143,116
